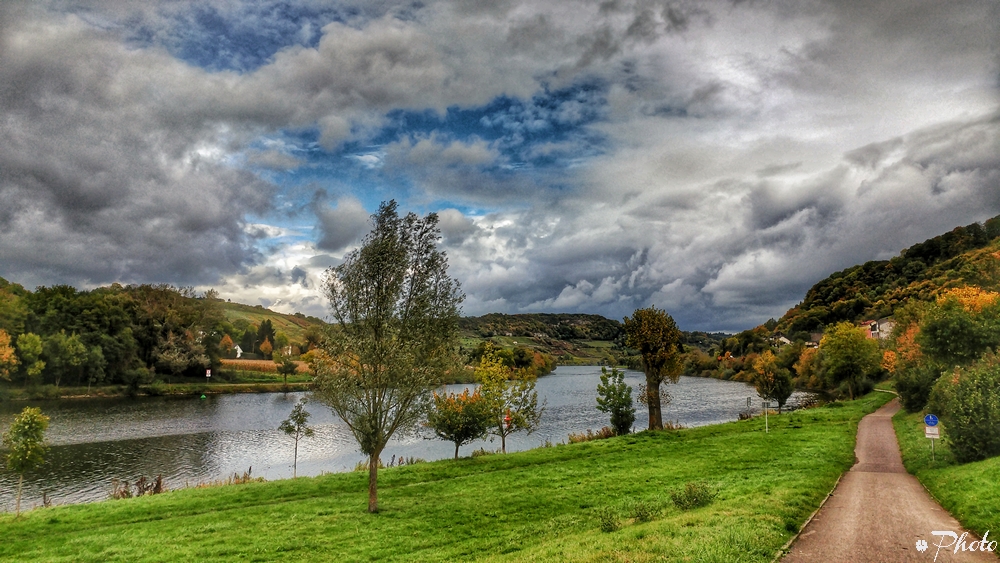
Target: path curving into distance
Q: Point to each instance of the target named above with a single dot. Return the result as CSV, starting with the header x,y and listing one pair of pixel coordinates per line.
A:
x,y
878,512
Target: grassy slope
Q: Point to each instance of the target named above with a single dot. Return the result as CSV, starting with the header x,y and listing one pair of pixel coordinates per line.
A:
x,y
969,492
292,326
538,505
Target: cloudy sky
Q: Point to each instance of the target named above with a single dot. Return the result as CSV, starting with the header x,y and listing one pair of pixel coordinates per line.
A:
x,y
712,158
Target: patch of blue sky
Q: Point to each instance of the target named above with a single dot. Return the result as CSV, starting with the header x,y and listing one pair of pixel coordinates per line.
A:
x,y
537,139
240,36
538,132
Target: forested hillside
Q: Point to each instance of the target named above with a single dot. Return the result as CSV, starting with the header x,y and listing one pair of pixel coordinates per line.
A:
x,y
878,288
132,335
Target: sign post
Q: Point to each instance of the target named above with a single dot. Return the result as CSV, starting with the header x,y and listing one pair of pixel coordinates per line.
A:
x,y
208,375
932,431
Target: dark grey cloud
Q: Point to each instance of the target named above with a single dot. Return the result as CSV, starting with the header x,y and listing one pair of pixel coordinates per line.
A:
x,y
342,225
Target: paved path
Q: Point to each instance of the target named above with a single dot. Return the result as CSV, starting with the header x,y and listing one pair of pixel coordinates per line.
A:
x,y
878,512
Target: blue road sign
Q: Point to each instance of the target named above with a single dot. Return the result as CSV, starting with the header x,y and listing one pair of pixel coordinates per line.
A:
x,y
931,420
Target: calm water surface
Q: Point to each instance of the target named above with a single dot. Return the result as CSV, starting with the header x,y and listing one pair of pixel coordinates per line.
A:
x,y
191,441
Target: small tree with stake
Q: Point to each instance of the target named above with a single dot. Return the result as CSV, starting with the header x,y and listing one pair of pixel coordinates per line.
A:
x,y
295,426
25,443
614,397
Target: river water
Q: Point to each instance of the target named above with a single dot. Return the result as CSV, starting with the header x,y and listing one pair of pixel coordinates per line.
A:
x,y
190,441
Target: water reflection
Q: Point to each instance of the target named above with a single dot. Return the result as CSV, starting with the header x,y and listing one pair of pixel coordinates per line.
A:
x,y
191,441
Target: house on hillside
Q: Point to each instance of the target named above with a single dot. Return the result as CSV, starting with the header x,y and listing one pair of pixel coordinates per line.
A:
x,y
814,338
878,330
238,350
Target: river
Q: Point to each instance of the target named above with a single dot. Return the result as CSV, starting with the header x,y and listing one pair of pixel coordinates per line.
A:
x,y
190,440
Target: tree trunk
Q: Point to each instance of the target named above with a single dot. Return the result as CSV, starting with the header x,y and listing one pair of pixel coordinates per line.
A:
x,y
456,450
653,403
373,483
503,443
18,503
295,460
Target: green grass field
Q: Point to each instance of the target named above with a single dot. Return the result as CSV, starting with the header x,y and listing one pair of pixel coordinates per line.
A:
x,y
968,491
542,505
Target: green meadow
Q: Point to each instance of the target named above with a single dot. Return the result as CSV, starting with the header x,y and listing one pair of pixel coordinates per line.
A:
x,y
605,500
968,491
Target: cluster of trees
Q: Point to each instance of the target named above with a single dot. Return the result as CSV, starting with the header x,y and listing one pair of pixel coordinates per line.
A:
x,y
942,357
504,403
519,358
123,335
117,334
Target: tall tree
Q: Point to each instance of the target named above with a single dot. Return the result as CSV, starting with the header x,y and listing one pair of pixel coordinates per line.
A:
x,y
395,332
25,444
655,335
511,399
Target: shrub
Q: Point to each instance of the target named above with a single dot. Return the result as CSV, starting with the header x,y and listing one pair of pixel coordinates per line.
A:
x,y
643,511
603,433
483,451
969,402
693,495
914,386
614,397
609,519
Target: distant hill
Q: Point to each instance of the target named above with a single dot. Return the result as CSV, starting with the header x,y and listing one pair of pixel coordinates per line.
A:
x,y
571,338
968,255
294,326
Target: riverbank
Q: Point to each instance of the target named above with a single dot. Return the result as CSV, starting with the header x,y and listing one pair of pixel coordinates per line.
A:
x,y
544,504
968,491
49,392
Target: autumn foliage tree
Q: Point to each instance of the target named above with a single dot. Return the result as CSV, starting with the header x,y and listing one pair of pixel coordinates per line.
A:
x,y
655,335
395,335
8,358
510,397
771,381
266,348
459,418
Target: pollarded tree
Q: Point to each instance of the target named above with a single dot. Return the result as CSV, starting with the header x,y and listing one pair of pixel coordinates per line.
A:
x,y
25,444
655,335
395,333
614,397
510,395
459,418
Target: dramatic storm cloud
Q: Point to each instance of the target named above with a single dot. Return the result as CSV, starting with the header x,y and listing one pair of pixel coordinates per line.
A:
x,y
713,158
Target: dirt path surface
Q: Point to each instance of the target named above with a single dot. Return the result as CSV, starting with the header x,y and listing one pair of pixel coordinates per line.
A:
x,y
879,512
